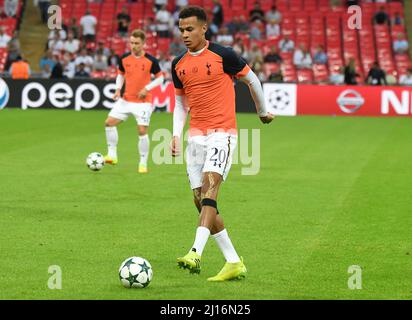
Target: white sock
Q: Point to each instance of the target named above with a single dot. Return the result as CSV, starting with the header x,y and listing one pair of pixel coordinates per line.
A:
x,y
202,234
226,246
112,139
144,148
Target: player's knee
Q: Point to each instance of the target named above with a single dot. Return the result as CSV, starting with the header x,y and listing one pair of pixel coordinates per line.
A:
x,y
197,199
209,202
110,123
142,130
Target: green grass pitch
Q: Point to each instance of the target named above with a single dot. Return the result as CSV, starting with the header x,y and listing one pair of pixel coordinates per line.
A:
x,y
332,192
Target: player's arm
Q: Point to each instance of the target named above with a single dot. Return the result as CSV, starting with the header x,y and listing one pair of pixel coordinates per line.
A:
x,y
179,121
255,88
237,67
119,79
159,78
179,113
156,82
119,85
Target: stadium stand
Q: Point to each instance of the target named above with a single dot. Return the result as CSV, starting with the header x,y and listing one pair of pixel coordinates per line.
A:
x,y
312,23
9,24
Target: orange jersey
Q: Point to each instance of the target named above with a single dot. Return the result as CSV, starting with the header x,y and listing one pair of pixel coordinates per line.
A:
x,y
20,70
207,82
137,73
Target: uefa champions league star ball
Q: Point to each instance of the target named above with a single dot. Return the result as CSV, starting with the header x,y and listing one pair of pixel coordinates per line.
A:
x,y
135,272
95,161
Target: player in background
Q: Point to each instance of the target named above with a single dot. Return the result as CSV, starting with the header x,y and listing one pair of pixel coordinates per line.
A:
x,y
134,71
203,80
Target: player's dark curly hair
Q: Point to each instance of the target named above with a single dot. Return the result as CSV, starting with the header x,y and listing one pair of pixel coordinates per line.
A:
x,y
193,11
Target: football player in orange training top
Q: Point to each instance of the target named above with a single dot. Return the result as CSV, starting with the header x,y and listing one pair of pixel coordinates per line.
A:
x,y
135,70
203,80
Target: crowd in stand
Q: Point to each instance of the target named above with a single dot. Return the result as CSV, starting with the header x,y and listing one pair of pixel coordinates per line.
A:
x,y
68,54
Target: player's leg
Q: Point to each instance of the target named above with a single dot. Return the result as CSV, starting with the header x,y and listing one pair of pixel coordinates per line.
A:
x,y
209,190
218,232
143,146
219,160
197,198
195,158
218,226
142,114
116,116
112,139
234,267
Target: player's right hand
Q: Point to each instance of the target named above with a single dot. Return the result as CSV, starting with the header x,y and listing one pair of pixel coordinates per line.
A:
x,y
175,146
116,95
267,119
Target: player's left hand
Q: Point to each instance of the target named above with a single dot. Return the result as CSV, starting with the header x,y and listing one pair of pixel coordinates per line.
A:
x,y
267,119
142,94
175,146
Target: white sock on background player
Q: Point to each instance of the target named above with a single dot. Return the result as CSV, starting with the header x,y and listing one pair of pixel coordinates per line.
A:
x,y
112,139
225,245
202,234
144,148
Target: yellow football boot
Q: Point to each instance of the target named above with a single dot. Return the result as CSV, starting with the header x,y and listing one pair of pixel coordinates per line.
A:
x,y
231,271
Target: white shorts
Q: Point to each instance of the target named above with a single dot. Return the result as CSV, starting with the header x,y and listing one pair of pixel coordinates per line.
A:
x,y
141,111
211,153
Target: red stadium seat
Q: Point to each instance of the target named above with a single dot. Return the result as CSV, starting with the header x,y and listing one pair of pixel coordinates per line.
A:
x,y
396,6
287,57
111,72
335,64
196,2
269,68
320,73
311,22
339,9
295,5
282,5
305,76
310,6
402,57
94,8
98,74
163,44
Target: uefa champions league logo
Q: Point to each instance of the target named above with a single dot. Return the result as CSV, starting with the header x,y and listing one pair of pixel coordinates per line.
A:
x,y
279,99
4,93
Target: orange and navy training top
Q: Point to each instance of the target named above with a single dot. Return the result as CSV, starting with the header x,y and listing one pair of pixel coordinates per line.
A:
x,y
207,82
137,73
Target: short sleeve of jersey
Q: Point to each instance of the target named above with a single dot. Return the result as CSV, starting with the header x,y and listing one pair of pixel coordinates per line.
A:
x,y
233,64
121,66
176,81
155,68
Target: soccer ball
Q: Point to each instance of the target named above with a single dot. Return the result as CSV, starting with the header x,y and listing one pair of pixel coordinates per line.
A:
x,y
95,161
135,272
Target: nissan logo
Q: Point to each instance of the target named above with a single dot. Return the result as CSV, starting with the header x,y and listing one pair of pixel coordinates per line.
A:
x,y
350,101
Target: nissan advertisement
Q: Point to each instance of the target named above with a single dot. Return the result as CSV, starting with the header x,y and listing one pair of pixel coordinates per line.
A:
x,y
290,99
